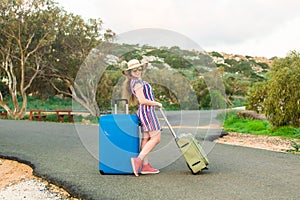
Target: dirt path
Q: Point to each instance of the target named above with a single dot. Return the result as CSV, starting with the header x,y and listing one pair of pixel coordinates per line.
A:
x,y
17,180
12,172
273,143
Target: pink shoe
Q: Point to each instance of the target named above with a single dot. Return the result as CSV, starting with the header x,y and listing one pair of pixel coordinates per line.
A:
x,y
148,169
136,164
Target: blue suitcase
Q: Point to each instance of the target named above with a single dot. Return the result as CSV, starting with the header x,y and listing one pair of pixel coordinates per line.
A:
x,y
118,141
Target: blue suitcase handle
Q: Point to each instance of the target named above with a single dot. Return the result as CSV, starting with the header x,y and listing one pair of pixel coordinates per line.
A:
x,y
117,100
116,104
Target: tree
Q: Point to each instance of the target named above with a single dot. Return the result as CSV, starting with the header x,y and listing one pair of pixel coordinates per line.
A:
x,y
41,41
106,88
278,97
27,31
235,85
282,104
74,40
257,96
75,51
201,91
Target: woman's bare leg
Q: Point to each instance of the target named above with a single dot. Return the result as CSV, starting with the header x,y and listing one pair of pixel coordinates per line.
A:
x,y
149,144
146,138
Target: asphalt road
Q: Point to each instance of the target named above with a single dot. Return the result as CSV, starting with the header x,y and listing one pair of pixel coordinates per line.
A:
x,y
67,155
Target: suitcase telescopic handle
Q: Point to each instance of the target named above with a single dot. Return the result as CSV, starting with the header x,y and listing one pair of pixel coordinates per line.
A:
x,y
168,123
116,104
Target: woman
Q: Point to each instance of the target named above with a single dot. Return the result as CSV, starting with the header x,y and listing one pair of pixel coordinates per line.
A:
x,y
151,128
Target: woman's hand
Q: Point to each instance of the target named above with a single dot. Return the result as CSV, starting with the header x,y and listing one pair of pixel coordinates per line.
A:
x,y
159,105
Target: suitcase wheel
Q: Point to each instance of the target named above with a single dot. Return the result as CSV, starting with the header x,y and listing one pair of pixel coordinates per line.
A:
x,y
194,173
101,172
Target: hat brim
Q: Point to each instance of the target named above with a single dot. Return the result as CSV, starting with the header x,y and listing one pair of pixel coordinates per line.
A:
x,y
125,71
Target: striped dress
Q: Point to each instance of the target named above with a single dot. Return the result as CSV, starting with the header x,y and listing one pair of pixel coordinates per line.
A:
x,y
146,114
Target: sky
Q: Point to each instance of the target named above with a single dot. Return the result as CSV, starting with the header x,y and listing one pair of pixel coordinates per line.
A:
x,y
247,27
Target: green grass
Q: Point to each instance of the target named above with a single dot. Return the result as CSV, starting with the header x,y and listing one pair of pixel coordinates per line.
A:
x,y
287,131
50,104
233,123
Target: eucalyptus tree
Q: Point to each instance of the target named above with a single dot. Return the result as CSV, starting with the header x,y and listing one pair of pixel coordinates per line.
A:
x,y
77,59
28,29
39,41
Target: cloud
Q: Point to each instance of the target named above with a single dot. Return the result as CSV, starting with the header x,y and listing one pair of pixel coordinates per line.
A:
x,y
209,23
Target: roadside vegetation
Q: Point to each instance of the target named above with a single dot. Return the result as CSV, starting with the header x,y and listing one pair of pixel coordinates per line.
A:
x,y
233,123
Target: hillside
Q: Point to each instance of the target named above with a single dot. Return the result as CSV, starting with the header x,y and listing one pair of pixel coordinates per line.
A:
x,y
176,58
239,72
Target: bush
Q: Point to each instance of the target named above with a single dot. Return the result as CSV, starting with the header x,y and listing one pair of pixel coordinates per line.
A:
x,y
216,54
257,96
279,96
282,105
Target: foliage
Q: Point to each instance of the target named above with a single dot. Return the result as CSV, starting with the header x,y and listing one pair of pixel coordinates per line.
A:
x,y
27,31
217,100
236,124
216,54
237,77
51,103
278,97
174,86
74,52
135,54
202,92
236,85
209,90
295,145
170,57
257,96
42,47
106,88
259,127
42,44
282,105
286,131
3,89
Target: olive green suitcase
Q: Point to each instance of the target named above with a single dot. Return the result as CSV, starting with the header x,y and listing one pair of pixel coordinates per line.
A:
x,y
193,153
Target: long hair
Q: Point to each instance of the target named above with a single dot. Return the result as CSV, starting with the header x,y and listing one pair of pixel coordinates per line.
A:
x,y
126,91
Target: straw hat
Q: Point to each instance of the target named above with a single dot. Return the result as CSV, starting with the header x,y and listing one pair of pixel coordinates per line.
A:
x,y
134,63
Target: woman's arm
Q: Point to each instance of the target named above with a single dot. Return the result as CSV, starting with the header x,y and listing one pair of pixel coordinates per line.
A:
x,y
141,98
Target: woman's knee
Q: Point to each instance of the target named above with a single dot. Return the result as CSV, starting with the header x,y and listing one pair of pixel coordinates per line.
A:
x,y
155,136
145,140
158,140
